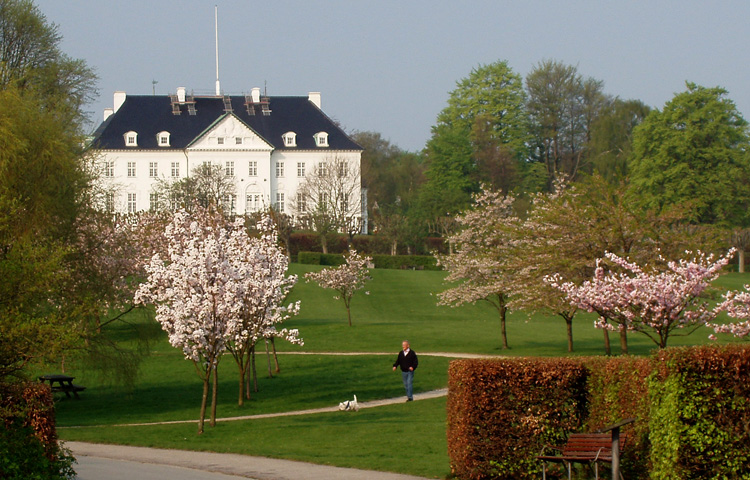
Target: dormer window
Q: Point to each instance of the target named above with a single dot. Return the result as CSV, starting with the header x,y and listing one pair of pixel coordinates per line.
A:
x,y
163,139
290,139
131,139
220,140
321,139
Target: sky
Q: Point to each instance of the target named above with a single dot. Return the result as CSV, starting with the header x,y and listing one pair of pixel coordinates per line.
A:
x,y
389,66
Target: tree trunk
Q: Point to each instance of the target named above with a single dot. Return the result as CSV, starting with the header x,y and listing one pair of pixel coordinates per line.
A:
x,y
741,260
241,398
268,359
324,243
214,396
255,374
607,346
275,355
504,333
204,402
569,326
623,340
394,247
247,374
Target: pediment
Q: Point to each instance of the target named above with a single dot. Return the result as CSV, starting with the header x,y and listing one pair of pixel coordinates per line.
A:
x,y
224,135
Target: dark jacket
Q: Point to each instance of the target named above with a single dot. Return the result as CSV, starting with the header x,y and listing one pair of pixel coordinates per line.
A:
x,y
406,361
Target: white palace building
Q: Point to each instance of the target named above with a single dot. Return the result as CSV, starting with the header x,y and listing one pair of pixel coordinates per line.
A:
x,y
265,144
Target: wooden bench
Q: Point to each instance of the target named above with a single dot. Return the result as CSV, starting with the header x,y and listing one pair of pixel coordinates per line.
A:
x,y
583,448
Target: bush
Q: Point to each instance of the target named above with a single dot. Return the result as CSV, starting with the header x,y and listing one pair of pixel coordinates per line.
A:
x,y
411,262
501,411
309,258
28,440
315,258
692,406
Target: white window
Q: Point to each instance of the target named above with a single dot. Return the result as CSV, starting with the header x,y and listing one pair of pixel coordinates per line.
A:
x,y
109,202
238,140
321,139
131,139
345,203
131,169
163,139
153,169
279,170
230,204
220,140
109,169
252,170
290,139
300,169
301,203
175,169
131,203
229,168
153,201
280,202
252,201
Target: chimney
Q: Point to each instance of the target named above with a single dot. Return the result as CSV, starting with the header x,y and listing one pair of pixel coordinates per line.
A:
x,y
181,94
314,97
119,100
108,112
256,94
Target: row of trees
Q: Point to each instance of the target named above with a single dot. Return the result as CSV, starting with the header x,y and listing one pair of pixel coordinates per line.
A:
x,y
590,247
519,136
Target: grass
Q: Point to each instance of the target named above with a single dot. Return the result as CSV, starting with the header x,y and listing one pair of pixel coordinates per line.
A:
x,y
401,304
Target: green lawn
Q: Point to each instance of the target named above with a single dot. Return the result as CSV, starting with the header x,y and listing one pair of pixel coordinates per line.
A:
x,y
401,304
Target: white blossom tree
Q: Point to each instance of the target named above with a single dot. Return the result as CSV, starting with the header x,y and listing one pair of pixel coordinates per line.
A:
x,y
656,304
346,279
736,305
261,268
195,291
479,263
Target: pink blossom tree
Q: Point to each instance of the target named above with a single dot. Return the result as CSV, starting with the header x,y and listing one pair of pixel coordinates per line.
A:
x,y
346,279
656,303
195,291
736,305
479,264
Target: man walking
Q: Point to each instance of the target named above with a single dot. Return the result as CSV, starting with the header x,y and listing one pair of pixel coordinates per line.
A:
x,y
407,360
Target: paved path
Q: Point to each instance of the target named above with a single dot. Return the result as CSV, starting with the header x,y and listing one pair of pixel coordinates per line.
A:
x,y
117,462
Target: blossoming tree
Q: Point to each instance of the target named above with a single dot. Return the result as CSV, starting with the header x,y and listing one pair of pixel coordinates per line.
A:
x,y
346,279
479,264
261,266
195,291
736,305
656,304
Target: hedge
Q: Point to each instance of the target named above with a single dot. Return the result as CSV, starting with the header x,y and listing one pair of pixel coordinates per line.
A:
x,y
692,405
412,262
28,438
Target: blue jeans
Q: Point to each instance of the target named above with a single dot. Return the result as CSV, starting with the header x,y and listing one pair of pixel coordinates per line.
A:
x,y
408,381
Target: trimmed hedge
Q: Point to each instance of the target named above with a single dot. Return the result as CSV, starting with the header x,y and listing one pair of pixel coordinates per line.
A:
x,y
316,258
28,438
406,262
501,411
692,405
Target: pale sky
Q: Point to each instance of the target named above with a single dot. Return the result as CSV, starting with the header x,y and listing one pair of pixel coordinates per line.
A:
x,y
388,66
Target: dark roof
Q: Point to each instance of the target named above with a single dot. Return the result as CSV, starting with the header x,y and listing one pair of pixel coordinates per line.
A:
x,y
147,115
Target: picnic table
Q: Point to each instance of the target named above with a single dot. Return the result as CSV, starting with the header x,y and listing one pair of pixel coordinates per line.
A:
x,y
62,383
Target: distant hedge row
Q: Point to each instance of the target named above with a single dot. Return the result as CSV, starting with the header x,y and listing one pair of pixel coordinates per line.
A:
x,y
404,262
368,244
693,406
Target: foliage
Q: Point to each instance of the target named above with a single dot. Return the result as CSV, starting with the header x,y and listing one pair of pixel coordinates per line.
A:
x,y
346,279
207,186
562,106
28,440
500,412
480,263
737,305
654,303
694,153
406,262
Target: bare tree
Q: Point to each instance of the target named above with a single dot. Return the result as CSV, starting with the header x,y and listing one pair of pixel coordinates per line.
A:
x,y
329,199
208,185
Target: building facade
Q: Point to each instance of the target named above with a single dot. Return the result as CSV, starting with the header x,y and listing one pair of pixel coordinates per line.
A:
x,y
266,146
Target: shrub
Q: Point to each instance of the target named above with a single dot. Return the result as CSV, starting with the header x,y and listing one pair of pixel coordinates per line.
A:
x,y
413,262
309,258
28,440
500,411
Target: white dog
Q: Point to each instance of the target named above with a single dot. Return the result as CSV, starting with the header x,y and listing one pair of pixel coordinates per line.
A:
x,y
349,405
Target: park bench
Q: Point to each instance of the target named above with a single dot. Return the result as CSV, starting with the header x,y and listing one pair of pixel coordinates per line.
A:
x,y
589,449
63,383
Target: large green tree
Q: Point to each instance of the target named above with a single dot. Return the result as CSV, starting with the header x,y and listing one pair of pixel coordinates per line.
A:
x,y
694,153
562,106
480,137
